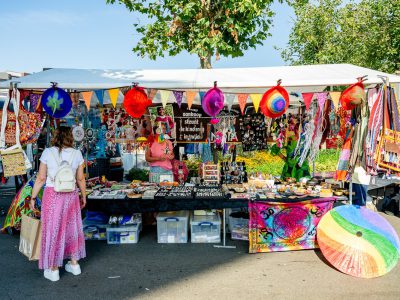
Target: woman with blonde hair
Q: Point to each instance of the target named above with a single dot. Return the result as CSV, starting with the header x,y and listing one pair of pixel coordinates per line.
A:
x,y
62,233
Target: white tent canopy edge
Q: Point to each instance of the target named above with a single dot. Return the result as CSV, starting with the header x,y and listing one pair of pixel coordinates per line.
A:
x,y
309,78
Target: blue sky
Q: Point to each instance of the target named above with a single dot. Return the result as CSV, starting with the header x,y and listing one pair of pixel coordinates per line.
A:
x,y
91,34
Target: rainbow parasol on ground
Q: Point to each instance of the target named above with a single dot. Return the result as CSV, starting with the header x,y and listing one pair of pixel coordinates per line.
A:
x,y
358,242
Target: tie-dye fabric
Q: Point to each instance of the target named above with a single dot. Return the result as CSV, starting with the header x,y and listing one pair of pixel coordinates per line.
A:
x,y
285,226
20,206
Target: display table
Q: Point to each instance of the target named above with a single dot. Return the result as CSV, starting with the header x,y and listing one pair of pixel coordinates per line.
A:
x,y
130,206
139,205
285,226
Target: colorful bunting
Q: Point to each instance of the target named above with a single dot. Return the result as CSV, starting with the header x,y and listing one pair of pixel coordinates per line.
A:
x,y
230,98
152,93
201,96
113,93
100,96
165,97
335,96
256,98
178,96
190,95
242,99
87,97
74,98
321,98
307,97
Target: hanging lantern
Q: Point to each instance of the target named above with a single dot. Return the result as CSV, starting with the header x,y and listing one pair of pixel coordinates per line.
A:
x,y
56,102
353,95
136,102
275,101
213,103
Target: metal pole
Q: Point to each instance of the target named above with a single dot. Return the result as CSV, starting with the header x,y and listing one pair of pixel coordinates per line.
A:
x,y
351,191
224,233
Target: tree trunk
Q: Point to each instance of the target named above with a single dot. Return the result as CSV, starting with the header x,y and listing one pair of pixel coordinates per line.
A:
x,y
205,63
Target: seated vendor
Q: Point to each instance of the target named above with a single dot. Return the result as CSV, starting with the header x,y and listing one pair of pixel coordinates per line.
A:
x,y
159,154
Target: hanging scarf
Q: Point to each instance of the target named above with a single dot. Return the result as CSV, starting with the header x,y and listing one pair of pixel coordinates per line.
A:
x,y
343,164
374,125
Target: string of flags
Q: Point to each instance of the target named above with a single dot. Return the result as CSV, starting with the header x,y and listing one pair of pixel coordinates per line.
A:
x,y
189,96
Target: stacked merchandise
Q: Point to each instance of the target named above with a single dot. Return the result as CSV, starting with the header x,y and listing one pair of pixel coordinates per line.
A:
x,y
175,192
233,173
124,229
209,192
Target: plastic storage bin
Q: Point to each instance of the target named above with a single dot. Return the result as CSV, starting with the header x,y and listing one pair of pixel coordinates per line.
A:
x,y
94,230
239,228
172,227
123,235
205,229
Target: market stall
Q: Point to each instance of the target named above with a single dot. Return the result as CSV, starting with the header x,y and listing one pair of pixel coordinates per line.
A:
x,y
291,111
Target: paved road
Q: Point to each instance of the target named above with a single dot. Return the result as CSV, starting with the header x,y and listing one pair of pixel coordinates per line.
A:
x,y
149,270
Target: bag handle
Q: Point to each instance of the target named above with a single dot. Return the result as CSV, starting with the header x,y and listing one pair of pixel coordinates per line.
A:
x,y
12,99
4,124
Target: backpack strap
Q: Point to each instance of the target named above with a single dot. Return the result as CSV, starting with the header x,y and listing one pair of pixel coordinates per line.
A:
x,y
57,157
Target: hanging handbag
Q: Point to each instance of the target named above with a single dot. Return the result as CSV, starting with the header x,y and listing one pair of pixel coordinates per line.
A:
x,y
14,160
30,124
9,123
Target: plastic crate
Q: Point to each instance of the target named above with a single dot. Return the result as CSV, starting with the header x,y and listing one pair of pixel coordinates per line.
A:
x,y
94,231
172,227
123,235
239,228
205,229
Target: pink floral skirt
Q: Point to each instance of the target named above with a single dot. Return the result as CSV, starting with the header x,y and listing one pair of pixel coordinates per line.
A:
x,y
62,233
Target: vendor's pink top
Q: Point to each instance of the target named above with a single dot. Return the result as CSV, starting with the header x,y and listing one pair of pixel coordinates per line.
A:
x,y
159,150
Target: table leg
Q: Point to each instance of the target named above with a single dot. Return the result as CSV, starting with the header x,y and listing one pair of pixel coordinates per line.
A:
x,y
224,233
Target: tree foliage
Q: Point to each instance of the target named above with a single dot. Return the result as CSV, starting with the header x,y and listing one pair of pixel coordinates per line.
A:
x,y
363,32
206,28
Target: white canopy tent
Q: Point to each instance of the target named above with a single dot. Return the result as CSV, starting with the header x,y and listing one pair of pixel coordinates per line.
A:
x,y
309,78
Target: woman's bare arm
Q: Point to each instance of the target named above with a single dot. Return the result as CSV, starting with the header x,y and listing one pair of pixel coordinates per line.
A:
x,y
39,183
81,182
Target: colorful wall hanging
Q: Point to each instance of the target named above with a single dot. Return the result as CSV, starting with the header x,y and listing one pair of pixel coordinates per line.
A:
x,y
285,226
136,102
275,101
56,102
358,241
213,103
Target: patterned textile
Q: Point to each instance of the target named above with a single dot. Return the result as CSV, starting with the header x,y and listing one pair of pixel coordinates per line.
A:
x,y
62,233
20,206
285,226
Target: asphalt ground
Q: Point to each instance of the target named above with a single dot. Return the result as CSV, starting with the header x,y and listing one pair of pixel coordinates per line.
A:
x,y
149,270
